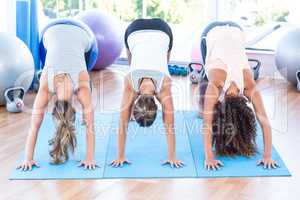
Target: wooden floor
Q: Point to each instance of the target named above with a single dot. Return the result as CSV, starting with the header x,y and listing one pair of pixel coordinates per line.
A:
x,y
283,106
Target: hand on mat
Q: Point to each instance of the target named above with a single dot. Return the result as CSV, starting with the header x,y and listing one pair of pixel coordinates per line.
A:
x,y
173,163
268,163
88,164
119,162
28,165
212,164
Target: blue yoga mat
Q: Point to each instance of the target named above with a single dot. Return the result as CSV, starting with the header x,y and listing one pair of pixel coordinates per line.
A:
x,y
69,170
146,148
233,167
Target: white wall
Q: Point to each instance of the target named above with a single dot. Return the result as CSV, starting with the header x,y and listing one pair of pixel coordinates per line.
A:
x,y
8,16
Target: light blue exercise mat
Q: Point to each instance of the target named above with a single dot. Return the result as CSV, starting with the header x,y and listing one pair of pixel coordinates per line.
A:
x,y
69,170
233,167
146,148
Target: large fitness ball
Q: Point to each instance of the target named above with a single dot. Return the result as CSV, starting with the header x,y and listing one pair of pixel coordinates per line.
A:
x,y
287,55
16,64
108,34
196,55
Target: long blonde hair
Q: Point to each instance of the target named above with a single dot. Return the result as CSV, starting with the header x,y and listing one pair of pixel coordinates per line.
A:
x,y
63,115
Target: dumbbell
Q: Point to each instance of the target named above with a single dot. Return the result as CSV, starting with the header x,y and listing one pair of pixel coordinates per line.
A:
x,y
14,99
177,70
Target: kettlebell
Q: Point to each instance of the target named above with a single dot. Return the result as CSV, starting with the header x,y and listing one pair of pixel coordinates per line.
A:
x,y
37,77
298,80
255,68
14,99
196,72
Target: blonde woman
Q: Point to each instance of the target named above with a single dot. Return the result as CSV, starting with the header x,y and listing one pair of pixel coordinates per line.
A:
x,y
64,77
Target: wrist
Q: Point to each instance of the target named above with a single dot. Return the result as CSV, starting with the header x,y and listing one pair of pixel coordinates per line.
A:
x,y
267,155
121,156
90,157
209,155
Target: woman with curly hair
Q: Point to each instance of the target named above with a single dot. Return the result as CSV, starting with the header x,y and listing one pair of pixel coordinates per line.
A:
x,y
227,90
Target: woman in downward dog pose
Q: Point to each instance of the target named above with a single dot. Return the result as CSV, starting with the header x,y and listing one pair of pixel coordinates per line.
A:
x,y
229,122
149,43
64,76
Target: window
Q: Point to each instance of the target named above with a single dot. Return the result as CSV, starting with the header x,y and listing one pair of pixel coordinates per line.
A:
x,y
186,17
260,16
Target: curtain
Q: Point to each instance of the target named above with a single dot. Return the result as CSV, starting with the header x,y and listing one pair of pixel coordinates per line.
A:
x,y
27,26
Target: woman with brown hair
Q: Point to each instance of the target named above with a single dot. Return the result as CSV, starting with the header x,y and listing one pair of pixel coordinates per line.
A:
x,y
229,122
149,43
64,76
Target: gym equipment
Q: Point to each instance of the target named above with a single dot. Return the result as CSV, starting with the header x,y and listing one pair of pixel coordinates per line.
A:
x,y
262,36
255,68
298,80
287,56
36,84
91,56
16,65
146,150
14,99
177,70
108,35
197,72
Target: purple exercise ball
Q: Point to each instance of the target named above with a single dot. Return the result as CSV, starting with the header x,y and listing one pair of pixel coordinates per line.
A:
x,y
108,35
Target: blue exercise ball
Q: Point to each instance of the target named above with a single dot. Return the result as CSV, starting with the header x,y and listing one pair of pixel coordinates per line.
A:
x,y
287,56
16,64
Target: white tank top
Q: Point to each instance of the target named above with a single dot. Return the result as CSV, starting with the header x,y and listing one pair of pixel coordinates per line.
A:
x,y
66,46
226,45
149,49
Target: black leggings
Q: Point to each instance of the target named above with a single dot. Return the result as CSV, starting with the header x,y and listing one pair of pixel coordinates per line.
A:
x,y
149,24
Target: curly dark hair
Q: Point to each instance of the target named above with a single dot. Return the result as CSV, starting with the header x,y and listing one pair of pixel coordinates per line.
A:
x,y
234,128
145,110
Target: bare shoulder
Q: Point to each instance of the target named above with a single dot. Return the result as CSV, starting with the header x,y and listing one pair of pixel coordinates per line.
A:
x,y
84,76
43,83
217,77
249,81
167,83
128,83
84,80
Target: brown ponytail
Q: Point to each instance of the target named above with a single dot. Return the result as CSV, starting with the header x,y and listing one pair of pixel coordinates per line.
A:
x,y
63,115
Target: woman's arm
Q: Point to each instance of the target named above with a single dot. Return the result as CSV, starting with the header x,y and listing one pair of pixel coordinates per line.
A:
x,y
126,106
254,96
216,81
39,106
85,98
166,100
